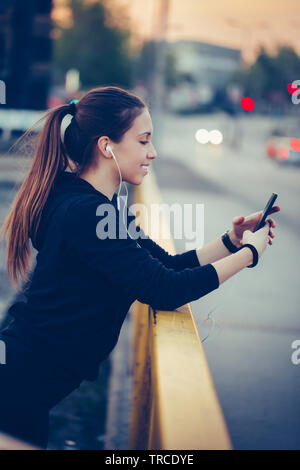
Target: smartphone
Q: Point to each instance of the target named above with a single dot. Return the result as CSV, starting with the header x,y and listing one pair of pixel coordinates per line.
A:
x,y
266,211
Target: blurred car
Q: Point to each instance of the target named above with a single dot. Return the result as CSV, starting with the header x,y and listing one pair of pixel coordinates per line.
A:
x,y
278,148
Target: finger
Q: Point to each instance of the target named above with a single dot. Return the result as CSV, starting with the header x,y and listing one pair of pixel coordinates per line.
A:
x,y
271,222
238,220
260,213
270,232
274,209
255,215
266,226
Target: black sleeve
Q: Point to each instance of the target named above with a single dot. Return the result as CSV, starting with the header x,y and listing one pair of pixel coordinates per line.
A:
x,y
188,259
129,267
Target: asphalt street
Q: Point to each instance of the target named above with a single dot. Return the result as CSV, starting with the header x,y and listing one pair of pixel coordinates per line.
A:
x,y
256,312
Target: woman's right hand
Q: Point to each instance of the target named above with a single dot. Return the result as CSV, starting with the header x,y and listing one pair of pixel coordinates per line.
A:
x,y
258,239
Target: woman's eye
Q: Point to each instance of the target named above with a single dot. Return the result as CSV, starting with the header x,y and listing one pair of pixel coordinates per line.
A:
x,y
144,143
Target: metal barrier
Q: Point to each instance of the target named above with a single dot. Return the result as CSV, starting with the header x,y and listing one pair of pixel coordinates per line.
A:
x,y
174,402
18,121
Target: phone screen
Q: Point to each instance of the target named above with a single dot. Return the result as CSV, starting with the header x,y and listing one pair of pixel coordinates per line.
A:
x,y
266,211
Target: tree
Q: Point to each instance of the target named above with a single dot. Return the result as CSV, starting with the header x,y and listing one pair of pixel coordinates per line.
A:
x,y
95,45
270,75
145,63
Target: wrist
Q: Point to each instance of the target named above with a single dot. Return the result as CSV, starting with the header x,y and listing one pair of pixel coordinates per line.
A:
x,y
255,254
234,239
247,256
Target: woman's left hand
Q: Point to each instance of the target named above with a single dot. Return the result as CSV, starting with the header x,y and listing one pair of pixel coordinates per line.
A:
x,y
240,224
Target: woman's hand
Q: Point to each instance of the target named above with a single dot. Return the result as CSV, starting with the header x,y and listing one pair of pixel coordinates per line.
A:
x,y
240,224
258,239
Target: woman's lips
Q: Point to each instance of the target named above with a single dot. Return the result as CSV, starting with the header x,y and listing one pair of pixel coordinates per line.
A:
x,y
145,169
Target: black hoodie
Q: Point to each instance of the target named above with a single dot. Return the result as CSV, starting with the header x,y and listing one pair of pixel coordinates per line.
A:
x,y
83,285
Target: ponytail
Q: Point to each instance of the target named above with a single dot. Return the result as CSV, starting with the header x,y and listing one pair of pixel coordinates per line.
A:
x,y
22,222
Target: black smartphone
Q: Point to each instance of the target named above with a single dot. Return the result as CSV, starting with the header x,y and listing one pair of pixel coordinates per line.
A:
x,y
266,211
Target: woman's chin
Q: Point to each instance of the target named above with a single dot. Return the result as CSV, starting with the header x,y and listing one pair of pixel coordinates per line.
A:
x,y
137,181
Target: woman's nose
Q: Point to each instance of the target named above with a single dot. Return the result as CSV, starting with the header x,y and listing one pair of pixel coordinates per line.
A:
x,y
153,153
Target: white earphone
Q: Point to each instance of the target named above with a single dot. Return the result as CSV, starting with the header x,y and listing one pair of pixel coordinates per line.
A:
x,y
109,149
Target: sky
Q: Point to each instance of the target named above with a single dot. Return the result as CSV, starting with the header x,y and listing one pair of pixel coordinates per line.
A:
x,y
234,23
239,24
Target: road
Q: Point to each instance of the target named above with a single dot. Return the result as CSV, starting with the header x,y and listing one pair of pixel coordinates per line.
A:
x,y
257,311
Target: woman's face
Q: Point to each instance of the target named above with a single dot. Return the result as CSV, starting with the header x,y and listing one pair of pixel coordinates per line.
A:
x,y
135,149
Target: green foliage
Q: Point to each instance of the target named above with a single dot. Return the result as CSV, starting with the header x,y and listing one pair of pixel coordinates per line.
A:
x,y
94,46
145,64
270,74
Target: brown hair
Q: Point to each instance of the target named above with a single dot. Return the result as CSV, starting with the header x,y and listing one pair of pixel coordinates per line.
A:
x,y
102,111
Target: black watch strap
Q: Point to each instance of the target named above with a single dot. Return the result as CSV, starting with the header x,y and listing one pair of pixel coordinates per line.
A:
x,y
228,243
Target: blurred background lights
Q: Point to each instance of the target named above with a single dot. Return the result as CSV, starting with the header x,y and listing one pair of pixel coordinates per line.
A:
x,y
215,137
292,88
271,150
247,103
295,145
283,152
202,136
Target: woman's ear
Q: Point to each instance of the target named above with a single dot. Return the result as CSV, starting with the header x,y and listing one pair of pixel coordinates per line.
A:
x,y
102,143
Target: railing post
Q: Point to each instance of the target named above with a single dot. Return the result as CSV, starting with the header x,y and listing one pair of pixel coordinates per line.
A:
x,y
141,379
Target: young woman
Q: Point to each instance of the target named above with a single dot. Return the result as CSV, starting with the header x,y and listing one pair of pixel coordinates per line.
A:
x,y
84,282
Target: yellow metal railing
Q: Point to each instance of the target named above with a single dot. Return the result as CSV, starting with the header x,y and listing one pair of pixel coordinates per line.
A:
x,y
174,401
8,442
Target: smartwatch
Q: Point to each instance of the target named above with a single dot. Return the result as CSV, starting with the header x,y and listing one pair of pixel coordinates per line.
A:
x,y
228,243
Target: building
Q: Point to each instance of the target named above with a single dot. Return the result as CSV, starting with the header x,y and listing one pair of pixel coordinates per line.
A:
x,y
204,70
25,52
207,64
